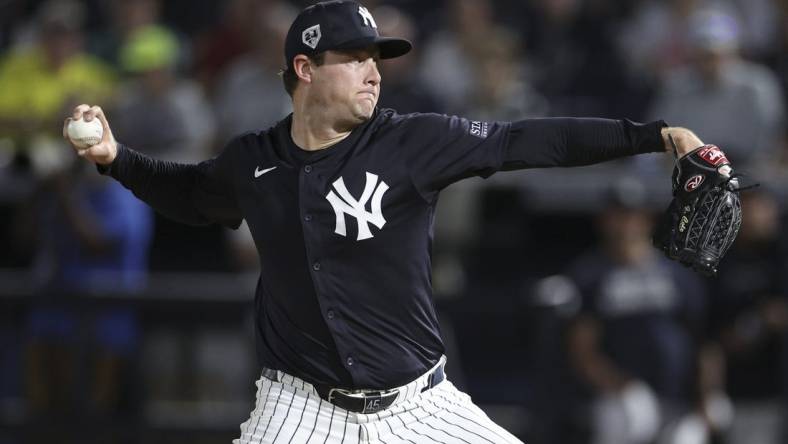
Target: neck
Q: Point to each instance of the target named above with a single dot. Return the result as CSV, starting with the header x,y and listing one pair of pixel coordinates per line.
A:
x,y
632,252
313,129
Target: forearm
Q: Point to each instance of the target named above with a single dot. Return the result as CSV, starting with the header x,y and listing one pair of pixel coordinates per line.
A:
x,y
711,369
594,367
567,142
601,374
166,186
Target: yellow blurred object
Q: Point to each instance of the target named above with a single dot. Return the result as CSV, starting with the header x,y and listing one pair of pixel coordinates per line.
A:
x,y
149,48
36,94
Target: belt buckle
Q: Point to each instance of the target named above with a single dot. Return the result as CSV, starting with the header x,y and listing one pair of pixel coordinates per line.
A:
x,y
340,391
371,399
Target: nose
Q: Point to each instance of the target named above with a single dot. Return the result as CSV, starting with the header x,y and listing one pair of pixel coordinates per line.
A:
x,y
373,75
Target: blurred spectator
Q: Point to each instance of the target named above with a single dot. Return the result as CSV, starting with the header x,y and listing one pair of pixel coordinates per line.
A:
x,y
750,308
571,45
580,57
125,19
91,236
501,92
474,67
654,39
166,115
232,37
636,340
726,100
447,68
403,91
250,95
779,58
158,111
42,83
760,21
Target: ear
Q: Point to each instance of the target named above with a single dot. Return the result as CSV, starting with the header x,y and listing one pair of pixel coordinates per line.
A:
x,y
303,67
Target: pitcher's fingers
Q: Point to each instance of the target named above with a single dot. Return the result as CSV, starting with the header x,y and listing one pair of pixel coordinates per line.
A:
x,y
107,134
93,112
79,110
65,127
87,116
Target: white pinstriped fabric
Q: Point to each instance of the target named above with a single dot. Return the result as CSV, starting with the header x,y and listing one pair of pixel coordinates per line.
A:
x,y
291,411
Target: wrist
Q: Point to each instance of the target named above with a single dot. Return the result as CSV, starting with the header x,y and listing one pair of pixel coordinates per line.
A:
x,y
112,154
686,141
107,164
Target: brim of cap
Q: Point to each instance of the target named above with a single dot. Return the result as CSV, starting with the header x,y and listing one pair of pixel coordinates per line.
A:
x,y
390,47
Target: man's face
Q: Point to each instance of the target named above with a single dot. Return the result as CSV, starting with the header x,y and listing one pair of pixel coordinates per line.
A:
x,y
626,225
710,63
347,84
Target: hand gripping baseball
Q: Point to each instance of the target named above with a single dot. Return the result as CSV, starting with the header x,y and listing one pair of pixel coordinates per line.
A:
x,y
103,152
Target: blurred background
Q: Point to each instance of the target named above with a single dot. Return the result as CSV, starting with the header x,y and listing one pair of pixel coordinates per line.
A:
x,y
561,320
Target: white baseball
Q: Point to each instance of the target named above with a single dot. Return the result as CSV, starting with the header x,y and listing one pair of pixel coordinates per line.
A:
x,y
85,134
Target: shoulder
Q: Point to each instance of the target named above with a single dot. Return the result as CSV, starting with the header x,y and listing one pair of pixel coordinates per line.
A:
x,y
754,77
248,140
21,60
85,65
744,70
187,91
687,279
387,118
588,268
680,81
257,141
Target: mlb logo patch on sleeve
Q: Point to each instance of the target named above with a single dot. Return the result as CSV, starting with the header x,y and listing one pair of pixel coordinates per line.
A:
x,y
479,129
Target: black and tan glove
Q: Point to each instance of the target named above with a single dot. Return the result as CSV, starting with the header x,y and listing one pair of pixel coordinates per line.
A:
x,y
704,217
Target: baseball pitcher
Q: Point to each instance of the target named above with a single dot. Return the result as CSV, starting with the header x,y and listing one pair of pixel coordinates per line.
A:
x,y
340,199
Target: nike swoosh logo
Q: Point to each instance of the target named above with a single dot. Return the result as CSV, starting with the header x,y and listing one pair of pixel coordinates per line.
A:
x,y
258,172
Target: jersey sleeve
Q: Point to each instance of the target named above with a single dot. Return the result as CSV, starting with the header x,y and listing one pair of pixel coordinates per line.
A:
x,y
568,142
194,194
444,149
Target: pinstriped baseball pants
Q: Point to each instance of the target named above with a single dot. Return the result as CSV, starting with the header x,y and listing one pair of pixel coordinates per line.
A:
x,y
291,411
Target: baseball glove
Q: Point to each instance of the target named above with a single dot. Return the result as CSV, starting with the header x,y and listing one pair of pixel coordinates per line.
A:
x,y
703,219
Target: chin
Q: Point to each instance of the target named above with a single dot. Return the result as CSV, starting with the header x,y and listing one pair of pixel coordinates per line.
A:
x,y
364,114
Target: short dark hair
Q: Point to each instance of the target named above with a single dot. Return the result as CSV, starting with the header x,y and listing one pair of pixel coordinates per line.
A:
x,y
289,76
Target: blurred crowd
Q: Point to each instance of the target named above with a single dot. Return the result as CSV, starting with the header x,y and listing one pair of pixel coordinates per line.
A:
x,y
623,346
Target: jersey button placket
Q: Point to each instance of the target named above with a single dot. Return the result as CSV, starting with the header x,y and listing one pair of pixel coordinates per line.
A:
x,y
310,182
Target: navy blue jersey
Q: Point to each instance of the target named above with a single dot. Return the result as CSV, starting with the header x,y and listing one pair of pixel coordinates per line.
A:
x,y
651,316
344,233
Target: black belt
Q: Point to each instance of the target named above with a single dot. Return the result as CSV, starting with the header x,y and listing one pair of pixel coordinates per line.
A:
x,y
362,401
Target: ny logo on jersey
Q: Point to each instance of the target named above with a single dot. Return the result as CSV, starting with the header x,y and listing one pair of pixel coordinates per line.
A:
x,y
368,20
345,203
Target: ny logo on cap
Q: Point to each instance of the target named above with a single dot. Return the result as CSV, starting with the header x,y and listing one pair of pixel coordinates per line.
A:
x,y
311,36
368,20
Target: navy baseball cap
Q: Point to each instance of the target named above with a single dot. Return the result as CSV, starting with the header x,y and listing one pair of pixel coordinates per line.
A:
x,y
336,25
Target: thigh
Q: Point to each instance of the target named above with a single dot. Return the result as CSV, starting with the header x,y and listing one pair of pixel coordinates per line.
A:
x,y
441,415
285,413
